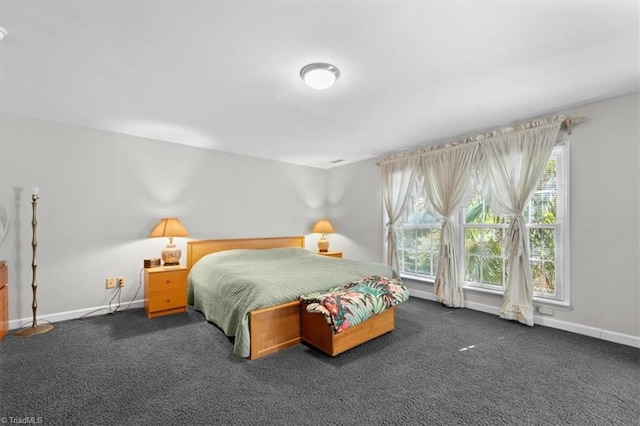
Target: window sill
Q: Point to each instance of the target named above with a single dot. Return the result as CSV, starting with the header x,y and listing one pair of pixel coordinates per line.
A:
x,y
537,301
420,278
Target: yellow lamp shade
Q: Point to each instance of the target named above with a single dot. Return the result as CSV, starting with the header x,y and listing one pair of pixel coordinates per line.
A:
x,y
170,227
323,227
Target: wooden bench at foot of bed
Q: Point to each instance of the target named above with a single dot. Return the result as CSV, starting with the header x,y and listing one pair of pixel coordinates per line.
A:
x,y
316,332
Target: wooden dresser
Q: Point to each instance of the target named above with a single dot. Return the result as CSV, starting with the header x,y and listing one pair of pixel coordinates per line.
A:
x,y
4,299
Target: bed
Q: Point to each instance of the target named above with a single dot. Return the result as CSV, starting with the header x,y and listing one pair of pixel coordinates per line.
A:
x,y
266,318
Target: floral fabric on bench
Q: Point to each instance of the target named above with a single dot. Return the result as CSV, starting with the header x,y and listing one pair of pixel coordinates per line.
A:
x,y
353,303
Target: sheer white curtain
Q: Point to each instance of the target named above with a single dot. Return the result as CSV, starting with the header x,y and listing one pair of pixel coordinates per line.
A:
x,y
513,163
398,180
446,175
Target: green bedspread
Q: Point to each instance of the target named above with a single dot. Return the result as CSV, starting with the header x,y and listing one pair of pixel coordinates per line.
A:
x,y
226,286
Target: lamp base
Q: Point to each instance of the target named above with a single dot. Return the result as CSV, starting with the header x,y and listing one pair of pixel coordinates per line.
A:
x,y
171,255
32,331
323,245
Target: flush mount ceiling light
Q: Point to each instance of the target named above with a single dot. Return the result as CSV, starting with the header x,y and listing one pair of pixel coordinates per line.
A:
x,y
3,33
319,76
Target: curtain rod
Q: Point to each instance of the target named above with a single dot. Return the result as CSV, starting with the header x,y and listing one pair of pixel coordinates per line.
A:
x,y
570,121
566,123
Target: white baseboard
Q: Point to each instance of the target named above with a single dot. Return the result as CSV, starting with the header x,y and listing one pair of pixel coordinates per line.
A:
x,y
598,333
69,315
423,295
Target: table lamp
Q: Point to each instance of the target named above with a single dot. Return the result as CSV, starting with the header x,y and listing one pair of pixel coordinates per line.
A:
x,y
324,227
170,227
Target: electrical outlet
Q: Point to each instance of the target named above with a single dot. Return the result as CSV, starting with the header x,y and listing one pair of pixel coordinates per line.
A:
x,y
545,310
111,282
121,281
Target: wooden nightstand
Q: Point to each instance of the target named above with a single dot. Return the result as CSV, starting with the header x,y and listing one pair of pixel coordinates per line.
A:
x,y
165,290
331,253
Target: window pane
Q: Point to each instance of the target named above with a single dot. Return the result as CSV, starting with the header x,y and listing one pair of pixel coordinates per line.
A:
x,y
485,270
421,217
406,238
543,277
406,248
435,239
474,213
473,240
473,265
410,261
493,242
407,260
418,248
425,247
492,271
491,218
544,203
477,211
424,239
424,265
542,243
417,211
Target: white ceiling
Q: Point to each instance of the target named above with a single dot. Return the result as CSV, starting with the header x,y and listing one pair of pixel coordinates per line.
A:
x,y
225,75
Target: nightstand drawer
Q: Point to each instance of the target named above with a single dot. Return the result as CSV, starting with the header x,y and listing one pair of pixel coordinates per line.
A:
x,y
168,299
162,282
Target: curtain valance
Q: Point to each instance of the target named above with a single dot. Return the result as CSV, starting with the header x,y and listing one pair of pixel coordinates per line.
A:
x,y
496,134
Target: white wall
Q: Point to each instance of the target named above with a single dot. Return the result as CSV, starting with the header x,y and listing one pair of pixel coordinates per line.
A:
x,y
101,194
605,205
355,208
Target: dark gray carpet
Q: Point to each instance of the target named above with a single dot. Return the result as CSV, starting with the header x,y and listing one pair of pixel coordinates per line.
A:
x,y
124,369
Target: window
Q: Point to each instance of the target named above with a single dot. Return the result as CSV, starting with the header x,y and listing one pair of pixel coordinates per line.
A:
x,y
482,232
418,238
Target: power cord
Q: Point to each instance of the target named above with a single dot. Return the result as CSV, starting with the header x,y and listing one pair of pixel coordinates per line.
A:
x,y
118,294
136,294
110,309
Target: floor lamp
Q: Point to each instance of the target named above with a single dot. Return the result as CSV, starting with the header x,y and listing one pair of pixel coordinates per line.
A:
x,y
35,328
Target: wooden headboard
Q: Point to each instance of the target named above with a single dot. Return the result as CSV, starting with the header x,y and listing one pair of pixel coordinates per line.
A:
x,y
199,248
